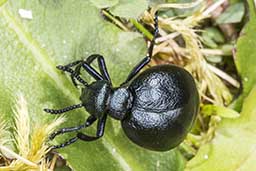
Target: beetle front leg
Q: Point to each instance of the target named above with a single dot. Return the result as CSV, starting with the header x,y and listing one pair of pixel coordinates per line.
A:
x,y
147,59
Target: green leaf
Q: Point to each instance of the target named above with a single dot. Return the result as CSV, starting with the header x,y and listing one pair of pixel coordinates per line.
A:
x,y
245,56
212,37
233,14
104,3
2,2
233,147
224,112
59,33
129,9
185,11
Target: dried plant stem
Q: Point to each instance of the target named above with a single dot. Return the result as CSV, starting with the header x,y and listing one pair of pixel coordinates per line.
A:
x,y
167,37
54,160
209,83
206,52
116,21
31,144
213,52
142,29
213,7
177,5
17,156
3,132
224,76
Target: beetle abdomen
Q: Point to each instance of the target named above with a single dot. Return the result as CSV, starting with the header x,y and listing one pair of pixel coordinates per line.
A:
x,y
164,107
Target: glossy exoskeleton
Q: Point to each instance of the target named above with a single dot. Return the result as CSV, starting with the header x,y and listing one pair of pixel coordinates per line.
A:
x,y
156,107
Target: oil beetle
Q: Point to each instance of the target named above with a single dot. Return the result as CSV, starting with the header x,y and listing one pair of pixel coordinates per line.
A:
x,y
156,107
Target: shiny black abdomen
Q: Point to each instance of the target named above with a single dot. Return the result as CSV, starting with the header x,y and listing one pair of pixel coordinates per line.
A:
x,y
164,108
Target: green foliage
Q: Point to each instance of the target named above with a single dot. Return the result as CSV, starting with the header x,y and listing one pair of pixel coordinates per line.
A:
x,y
233,147
212,37
104,3
245,56
123,8
129,9
61,32
209,110
2,2
233,14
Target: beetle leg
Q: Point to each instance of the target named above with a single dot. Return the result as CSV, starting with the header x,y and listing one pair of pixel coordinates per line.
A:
x,y
89,60
81,136
137,68
66,109
99,133
147,59
70,141
101,65
90,70
89,121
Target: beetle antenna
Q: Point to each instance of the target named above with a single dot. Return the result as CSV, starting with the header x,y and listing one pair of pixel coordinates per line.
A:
x,y
73,74
66,109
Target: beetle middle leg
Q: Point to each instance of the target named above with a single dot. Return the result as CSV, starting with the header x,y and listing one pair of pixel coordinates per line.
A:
x,y
81,136
89,121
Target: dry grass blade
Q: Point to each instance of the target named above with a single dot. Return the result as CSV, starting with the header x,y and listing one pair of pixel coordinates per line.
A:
x,y
31,143
3,132
192,57
22,126
176,5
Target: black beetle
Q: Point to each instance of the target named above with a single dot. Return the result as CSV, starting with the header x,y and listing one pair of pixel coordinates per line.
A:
x,y
157,107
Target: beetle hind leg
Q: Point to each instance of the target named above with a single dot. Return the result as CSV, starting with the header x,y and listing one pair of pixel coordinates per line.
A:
x,y
99,133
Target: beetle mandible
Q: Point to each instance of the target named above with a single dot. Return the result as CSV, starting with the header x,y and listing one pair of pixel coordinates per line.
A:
x,y
156,107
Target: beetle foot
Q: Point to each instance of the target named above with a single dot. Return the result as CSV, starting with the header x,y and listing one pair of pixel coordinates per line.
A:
x,y
53,135
61,67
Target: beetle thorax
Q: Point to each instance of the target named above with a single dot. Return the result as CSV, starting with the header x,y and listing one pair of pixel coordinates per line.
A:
x,y
119,103
100,98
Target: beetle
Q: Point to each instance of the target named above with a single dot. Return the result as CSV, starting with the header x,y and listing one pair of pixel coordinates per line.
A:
x,y
156,107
